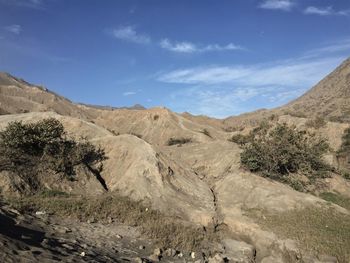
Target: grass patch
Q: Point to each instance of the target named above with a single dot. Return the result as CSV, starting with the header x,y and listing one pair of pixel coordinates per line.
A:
x,y
319,231
336,199
168,232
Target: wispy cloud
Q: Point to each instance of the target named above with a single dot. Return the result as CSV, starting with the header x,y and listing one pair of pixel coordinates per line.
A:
x,y
188,47
333,47
285,5
128,33
221,91
15,29
283,73
129,93
33,4
325,11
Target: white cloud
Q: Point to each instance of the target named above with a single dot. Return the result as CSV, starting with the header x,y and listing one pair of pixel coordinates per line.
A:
x,y
129,93
128,33
15,29
188,47
325,11
285,5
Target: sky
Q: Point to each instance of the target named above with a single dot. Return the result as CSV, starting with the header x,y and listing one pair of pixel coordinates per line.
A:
x,y
216,58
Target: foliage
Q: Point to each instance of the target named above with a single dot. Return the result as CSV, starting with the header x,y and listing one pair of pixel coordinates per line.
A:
x,y
239,139
280,151
344,152
34,149
179,141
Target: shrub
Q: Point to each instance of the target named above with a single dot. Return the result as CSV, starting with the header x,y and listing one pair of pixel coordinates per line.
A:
x,y
282,150
41,148
179,141
316,123
343,154
239,139
206,132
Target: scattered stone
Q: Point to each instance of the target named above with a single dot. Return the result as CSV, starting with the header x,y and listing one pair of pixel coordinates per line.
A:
x,y
180,255
40,213
141,247
157,252
110,220
138,260
45,242
193,255
82,254
91,220
63,230
154,258
217,259
170,252
119,236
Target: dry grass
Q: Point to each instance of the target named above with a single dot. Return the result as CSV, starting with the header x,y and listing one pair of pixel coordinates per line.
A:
x,y
166,231
319,231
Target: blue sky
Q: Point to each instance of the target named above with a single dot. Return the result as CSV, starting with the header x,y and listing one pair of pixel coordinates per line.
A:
x,y
217,58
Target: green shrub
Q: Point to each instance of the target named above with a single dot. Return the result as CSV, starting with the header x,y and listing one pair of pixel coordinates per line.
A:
x,y
179,141
41,148
344,154
239,139
280,151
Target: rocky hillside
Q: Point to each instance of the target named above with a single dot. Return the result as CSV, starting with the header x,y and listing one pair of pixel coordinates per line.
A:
x,y
329,99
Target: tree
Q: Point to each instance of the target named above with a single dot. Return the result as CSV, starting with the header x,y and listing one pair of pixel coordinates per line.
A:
x,y
41,148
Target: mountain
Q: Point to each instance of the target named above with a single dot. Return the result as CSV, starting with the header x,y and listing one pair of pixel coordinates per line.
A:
x,y
330,98
198,180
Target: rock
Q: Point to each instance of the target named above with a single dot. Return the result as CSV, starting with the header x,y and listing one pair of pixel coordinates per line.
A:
x,y
40,213
119,236
91,220
170,252
180,255
141,247
157,252
110,220
63,230
138,260
193,255
82,254
217,259
154,258
239,251
45,242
